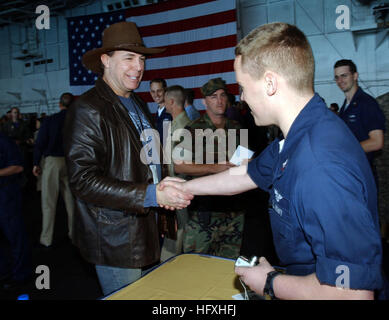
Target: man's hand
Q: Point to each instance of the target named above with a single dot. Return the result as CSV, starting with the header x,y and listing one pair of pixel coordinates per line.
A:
x,y
255,277
36,171
170,197
174,182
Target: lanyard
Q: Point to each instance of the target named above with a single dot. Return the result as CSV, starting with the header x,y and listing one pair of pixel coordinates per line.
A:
x,y
152,166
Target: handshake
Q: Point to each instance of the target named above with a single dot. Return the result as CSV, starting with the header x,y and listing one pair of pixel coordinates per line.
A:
x,y
171,194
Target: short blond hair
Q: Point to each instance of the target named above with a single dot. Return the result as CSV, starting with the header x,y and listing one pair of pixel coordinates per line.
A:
x,y
282,48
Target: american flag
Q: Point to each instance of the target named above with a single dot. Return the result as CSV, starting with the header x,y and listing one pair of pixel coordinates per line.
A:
x,y
200,36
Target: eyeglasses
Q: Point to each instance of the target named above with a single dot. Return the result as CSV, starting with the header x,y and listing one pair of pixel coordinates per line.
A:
x,y
343,76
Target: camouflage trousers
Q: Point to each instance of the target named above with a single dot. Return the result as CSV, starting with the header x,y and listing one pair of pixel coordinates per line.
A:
x,y
214,233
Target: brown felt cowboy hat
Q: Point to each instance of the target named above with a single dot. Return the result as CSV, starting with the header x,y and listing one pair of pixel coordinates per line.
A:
x,y
119,36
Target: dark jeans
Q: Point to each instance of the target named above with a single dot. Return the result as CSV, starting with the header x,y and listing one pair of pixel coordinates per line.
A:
x,y
15,254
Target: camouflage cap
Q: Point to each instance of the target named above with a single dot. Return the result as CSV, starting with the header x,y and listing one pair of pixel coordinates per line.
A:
x,y
213,85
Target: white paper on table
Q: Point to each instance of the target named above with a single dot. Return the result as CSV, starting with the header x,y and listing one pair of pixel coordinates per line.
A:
x,y
251,296
241,153
239,296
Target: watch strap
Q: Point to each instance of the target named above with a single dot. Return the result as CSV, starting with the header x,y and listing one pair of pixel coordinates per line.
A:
x,y
268,289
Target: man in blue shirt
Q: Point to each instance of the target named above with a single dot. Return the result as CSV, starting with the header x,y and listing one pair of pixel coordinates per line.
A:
x,y
324,210
190,109
49,149
360,111
157,91
11,220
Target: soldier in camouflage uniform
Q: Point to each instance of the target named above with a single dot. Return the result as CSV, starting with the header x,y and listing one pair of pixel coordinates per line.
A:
x,y
215,224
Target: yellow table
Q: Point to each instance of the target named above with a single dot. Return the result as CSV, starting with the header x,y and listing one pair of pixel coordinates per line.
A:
x,y
185,277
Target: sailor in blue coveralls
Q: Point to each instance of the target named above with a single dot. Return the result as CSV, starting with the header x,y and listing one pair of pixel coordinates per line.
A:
x,y
16,269
322,192
157,92
360,111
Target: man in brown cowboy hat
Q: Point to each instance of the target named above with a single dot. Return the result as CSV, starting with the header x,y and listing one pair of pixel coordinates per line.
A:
x,y
114,164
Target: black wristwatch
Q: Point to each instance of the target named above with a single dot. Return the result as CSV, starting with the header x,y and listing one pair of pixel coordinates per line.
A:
x,y
268,289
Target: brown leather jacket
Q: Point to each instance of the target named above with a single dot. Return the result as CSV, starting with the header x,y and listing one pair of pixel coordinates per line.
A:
x,y
109,181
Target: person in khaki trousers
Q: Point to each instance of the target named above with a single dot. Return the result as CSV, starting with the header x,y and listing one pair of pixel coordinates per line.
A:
x,y
174,102
53,173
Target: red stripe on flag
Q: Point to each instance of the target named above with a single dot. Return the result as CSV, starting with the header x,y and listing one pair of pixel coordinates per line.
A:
x,y
198,46
188,24
232,88
145,96
190,71
163,6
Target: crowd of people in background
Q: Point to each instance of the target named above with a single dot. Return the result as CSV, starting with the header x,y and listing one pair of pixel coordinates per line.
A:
x,y
31,147
22,128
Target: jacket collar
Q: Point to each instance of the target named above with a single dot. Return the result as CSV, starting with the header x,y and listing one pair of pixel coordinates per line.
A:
x,y
356,96
304,121
105,91
352,102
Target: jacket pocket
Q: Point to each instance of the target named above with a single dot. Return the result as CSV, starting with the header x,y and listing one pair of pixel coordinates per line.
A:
x,y
113,227
282,225
283,236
